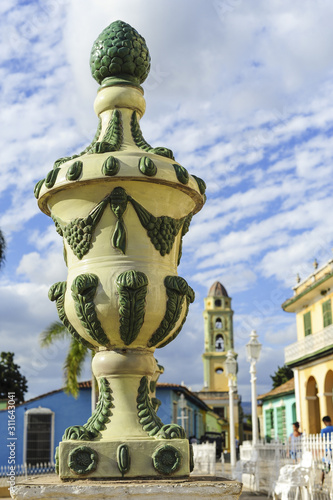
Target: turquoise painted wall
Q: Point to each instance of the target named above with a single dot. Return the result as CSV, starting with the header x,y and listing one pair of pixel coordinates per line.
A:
x,y
274,407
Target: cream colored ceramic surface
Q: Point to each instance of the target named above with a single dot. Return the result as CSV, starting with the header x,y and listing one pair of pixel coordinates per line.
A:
x,y
140,452
107,262
126,99
124,370
120,97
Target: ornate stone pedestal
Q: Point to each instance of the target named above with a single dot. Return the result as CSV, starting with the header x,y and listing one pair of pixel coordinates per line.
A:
x,y
203,488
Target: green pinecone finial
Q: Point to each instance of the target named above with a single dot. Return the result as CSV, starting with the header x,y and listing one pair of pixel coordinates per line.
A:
x,y
120,52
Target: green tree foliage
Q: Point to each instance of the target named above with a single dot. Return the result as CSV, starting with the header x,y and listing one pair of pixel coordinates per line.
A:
x,y
75,358
282,375
11,379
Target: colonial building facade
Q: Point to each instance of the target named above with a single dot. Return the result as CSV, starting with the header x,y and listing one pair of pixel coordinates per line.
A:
x,y
311,357
278,412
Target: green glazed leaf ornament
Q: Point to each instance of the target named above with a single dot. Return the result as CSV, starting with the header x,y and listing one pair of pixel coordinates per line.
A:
x,y
51,178
118,203
123,458
88,149
201,184
181,173
74,171
84,289
190,296
150,422
176,289
132,287
57,294
143,144
111,166
98,420
147,166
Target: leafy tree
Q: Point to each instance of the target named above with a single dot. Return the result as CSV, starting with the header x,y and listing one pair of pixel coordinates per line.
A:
x,y
282,375
11,379
76,355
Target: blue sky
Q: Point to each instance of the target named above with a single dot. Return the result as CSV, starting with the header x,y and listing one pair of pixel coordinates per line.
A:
x,y
242,92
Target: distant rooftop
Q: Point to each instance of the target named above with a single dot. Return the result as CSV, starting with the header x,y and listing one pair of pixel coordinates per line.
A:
x,y
285,388
217,290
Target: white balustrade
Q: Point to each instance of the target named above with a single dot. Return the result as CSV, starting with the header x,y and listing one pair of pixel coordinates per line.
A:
x,y
263,467
309,345
204,458
23,471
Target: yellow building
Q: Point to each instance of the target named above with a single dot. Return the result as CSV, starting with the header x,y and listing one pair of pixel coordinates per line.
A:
x,y
218,331
311,357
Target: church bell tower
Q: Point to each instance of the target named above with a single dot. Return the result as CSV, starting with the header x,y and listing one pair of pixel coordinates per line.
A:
x,y
219,339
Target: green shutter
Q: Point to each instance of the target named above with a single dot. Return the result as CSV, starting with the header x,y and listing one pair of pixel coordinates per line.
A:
x,y
327,313
269,422
281,423
307,323
293,409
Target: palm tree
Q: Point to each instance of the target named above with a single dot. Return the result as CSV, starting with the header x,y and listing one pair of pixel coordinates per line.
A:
x,y
76,355
2,248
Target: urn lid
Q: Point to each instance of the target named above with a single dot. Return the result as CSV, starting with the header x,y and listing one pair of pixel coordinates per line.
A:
x,y
120,55
119,153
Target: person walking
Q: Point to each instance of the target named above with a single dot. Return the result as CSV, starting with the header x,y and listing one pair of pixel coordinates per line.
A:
x,y
295,445
326,432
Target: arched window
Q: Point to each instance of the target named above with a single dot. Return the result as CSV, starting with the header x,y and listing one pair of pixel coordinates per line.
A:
x,y
314,423
219,343
219,371
218,302
218,323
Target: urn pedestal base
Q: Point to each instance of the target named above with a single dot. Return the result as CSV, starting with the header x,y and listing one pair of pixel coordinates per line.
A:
x,y
124,437
140,458
201,487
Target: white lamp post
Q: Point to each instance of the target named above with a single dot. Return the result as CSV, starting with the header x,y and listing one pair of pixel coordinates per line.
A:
x,y
253,349
231,370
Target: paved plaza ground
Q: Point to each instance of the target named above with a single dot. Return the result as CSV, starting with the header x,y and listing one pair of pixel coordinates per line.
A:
x,y
252,495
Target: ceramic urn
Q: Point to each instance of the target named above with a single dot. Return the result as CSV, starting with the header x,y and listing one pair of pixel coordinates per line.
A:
x,y
122,208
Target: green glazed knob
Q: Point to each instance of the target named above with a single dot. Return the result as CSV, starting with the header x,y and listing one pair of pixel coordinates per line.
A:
x,y
120,52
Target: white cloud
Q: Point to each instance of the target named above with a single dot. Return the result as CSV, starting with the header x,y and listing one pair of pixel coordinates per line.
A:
x,y
48,269
242,95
